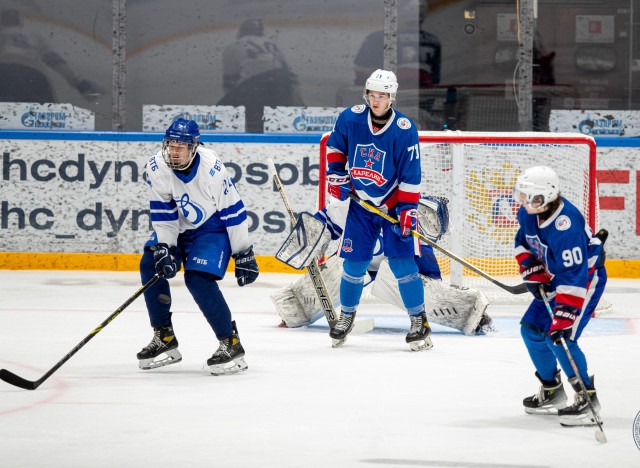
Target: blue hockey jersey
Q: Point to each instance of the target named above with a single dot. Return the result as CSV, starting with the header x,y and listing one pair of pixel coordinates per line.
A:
x,y
385,166
564,244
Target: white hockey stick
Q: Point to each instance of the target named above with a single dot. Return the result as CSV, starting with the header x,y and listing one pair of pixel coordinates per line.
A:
x,y
600,437
360,326
518,289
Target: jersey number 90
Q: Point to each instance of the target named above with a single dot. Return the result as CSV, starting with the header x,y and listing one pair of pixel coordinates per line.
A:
x,y
572,257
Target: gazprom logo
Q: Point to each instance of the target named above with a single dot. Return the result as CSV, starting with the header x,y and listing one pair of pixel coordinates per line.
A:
x,y
37,119
204,121
608,125
314,123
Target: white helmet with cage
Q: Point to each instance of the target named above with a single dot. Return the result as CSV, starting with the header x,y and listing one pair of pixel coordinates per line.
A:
x,y
536,187
382,81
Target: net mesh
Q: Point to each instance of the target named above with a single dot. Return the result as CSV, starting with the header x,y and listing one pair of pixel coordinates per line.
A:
x,y
476,172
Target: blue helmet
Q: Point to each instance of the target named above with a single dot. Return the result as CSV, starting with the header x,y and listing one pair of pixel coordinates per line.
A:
x,y
182,131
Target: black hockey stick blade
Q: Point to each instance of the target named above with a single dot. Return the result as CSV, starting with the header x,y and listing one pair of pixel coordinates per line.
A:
x,y
18,381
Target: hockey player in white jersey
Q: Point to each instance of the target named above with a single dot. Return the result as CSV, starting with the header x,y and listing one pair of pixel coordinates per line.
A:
x,y
456,307
200,222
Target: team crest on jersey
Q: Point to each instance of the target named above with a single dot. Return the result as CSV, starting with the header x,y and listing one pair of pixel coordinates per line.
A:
x,y
347,245
538,249
191,211
368,165
563,223
404,123
359,109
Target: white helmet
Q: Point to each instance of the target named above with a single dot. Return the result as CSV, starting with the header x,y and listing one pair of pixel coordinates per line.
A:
x,y
536,187
382,81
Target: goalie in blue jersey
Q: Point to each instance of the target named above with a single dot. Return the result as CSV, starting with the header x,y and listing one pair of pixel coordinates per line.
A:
x,y
556,250
200,221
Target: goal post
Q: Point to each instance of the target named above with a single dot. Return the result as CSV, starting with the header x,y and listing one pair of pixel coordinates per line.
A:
x,y
476,171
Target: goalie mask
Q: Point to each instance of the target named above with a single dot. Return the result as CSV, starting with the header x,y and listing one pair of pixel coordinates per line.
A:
x,y
382,81
180,144
535,188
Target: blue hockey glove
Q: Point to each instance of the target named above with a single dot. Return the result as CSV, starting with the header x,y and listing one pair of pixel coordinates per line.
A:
x,y
246,267
563,319
338,184
165,260
534,274
407,220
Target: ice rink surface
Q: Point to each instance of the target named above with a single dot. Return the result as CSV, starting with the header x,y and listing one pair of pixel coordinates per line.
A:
x,y
372,403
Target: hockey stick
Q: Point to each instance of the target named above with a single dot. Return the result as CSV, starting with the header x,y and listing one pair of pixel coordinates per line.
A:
x,y
360,326
518,289
600,437
18,381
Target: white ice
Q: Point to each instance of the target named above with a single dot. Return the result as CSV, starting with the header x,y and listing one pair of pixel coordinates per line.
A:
x,y
372,403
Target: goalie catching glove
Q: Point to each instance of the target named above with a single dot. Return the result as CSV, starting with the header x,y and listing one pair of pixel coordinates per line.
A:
x,y
246,267
433,217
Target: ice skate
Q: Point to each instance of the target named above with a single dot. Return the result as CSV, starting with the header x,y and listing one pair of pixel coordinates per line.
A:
x,y
344,326
579,414
419,334
550,398
229,357
165,343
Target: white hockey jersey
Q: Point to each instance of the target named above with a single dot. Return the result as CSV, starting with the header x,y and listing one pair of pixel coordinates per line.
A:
x,y
206,199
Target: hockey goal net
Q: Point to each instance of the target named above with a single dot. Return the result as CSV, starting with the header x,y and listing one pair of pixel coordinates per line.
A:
x,y
476,171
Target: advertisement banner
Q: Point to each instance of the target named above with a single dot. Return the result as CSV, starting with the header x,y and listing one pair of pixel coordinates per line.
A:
x,y
596,123
90,196
47,116
300,119
210,119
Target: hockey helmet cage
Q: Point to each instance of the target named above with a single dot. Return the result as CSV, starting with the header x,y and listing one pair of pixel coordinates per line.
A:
x,y
182,131
536,187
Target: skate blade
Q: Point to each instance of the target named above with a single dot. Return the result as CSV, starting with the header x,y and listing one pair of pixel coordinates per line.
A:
x,y
172,356
544,411
421,345
229,368
586,420
337,343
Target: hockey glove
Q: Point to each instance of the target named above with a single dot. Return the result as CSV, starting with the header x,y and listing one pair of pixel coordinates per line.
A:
x,y
407,220
339,184
563,319
534,274
165,260
246,267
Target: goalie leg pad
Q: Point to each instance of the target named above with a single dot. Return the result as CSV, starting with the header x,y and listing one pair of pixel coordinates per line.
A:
x,y
298,305
450,306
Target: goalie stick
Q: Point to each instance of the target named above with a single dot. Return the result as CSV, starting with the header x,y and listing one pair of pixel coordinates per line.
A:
x,y
518,289
360,326
18,381
599,433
